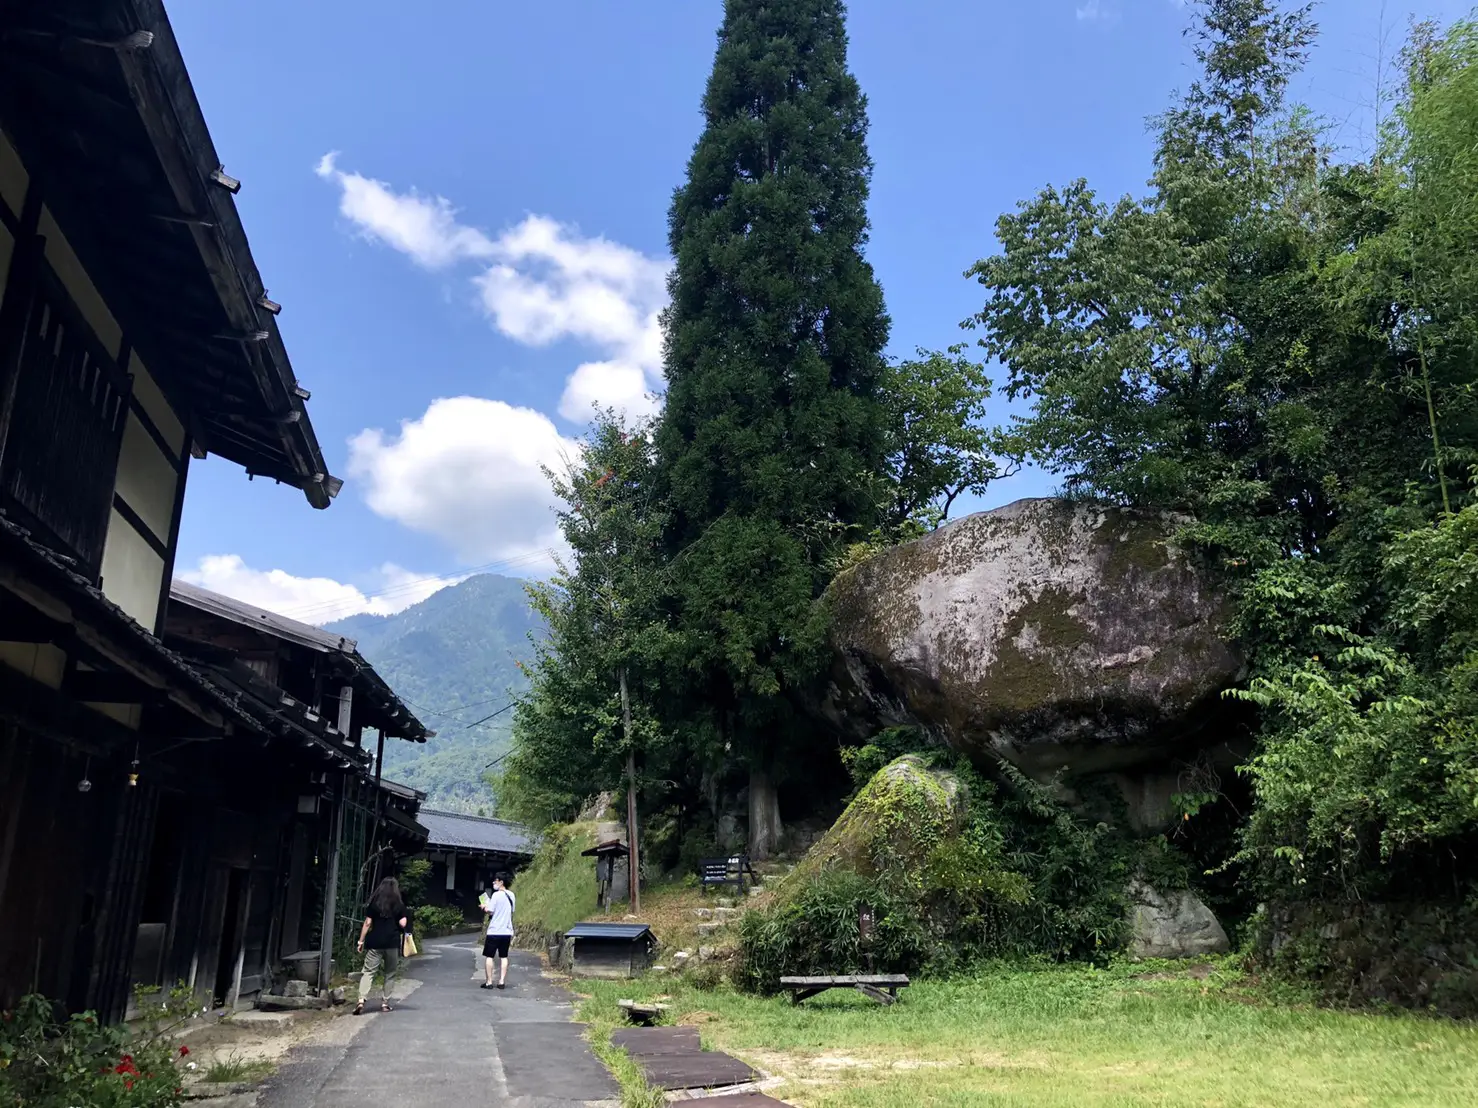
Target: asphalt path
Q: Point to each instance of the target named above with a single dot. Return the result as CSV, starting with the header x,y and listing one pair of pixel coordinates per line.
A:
x,y
448,1043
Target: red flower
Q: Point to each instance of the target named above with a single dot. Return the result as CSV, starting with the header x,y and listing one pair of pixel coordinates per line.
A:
x,y
128,1083
184,1050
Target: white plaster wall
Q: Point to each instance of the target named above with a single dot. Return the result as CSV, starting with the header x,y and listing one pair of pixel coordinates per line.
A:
x,y
151,399
41,662
146,479
133,574
79,284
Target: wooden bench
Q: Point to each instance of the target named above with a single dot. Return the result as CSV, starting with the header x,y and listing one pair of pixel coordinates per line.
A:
x,y
881,987
725,871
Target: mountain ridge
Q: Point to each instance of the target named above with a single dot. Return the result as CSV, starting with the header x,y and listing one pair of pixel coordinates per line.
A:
x,y
453,658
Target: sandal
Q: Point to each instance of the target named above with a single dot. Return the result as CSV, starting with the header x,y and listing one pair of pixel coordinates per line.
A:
x,y
359,1008
385,1007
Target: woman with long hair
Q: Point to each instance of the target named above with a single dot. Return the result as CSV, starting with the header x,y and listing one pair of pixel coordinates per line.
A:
x,y
379,940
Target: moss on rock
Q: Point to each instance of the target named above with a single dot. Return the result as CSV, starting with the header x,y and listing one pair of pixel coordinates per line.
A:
x,y
891,829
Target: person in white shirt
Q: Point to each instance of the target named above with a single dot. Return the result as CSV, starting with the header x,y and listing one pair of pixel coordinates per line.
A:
x,y
499,912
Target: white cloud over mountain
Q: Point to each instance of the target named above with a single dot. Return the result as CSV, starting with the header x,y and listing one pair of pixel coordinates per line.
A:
x,y
468,472
313,599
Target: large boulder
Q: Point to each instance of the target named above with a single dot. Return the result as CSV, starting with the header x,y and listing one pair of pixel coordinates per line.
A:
x,y
1172,925
1057,635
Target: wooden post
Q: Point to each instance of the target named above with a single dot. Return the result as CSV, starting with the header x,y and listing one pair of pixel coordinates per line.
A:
x,y
331,893
346,712
632,834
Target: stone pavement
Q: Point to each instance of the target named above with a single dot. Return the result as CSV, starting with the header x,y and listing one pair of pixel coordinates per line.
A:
x,y
449,1043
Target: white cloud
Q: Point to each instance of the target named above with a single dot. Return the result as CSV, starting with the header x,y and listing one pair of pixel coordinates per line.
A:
x,y
313,599
468,472
543,282
424,227
1095,11
619,385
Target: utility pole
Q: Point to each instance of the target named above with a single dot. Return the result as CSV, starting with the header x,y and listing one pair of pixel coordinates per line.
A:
x,y
633,860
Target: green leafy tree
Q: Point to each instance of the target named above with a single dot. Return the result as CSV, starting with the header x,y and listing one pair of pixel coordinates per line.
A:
x,y
597,681
1283,345
773,439
939,444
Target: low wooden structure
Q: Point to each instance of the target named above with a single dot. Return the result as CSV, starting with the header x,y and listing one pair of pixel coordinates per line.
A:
x,y
609,949
725,871
881,987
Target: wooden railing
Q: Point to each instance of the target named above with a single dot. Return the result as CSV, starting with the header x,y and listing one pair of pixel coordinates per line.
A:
x,y
61,449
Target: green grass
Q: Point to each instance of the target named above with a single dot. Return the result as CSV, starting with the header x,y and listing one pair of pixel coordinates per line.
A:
x,y
237,1069
557,890
1043,1037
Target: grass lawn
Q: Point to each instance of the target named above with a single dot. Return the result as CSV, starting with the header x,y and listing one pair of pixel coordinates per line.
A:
x,y
1130,1035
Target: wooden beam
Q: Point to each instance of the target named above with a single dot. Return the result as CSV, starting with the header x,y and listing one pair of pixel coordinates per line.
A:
x,y
104,687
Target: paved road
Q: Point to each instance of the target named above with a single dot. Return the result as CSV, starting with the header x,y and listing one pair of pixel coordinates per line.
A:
x,y
450,1043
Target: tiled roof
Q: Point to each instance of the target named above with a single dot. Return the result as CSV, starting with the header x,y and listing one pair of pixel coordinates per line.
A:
x,y
448,829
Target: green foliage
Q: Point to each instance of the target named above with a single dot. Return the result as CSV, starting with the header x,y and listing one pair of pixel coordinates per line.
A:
x,y
435,920
47,1062
236,1068
939,445
773,437
1284,346
816,932
413,876
864,762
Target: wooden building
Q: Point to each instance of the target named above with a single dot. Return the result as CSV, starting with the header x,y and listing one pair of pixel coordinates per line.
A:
x,y
148,800
299,812
466,851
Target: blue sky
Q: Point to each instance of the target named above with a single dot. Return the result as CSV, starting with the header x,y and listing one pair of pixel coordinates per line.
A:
x,y
462,209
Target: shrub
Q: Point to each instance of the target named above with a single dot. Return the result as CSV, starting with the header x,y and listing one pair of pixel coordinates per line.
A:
x,y
816,932
48,1062
432,921
413,877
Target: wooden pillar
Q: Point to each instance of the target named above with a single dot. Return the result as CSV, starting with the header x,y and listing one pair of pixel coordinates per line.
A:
x,y
331,889
346,712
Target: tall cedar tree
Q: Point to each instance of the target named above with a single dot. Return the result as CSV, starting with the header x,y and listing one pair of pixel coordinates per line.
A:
x,y
771,447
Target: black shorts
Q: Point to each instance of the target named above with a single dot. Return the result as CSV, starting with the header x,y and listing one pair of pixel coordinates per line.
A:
x,y
496,946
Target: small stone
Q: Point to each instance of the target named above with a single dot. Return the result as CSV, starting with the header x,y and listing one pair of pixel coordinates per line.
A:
x,y
726,902
705,953
339,995
681,956
724,913
703,913
755,891
659,969
710,928
295,988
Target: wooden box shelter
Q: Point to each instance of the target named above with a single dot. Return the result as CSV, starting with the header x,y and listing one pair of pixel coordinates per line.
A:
x,y
609,949
151,793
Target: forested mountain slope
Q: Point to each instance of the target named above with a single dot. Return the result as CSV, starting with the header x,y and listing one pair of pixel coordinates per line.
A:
x,y
453,657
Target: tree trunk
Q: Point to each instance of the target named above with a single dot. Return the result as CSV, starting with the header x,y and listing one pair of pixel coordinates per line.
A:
x,y
764,815
632,836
